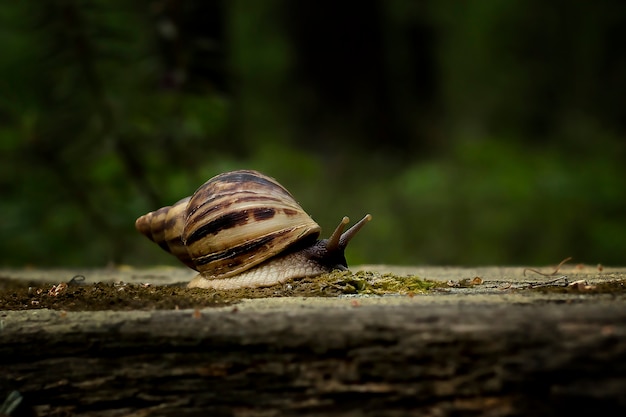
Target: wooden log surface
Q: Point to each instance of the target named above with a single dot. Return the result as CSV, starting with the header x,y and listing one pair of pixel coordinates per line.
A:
x,y
487,353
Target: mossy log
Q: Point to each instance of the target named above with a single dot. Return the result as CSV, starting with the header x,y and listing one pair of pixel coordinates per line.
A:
x,y
348,359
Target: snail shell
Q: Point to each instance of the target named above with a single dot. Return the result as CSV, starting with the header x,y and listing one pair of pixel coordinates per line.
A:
x,y
244,229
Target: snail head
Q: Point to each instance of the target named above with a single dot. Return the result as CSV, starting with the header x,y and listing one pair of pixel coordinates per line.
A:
x,y
330,252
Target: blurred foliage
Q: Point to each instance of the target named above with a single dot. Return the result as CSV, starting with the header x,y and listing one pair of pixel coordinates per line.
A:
x,y
474,132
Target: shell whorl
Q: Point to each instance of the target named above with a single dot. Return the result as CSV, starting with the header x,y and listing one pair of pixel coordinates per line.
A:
x,y
165,227
239,219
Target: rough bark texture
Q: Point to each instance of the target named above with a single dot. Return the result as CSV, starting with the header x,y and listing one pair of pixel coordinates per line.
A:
x,y
349,358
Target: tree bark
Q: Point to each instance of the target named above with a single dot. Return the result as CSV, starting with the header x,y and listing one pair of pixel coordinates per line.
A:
x,y
346,358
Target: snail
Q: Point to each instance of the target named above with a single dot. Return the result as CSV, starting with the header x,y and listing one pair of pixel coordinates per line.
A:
x,y
244,229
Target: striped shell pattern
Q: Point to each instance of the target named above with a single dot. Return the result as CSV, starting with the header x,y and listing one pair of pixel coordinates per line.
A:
x,y
232,223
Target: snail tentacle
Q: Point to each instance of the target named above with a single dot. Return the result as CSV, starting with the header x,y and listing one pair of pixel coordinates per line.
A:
x,y
333,240
349,234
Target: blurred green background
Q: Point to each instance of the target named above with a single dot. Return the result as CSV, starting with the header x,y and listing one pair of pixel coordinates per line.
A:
x,y
475,132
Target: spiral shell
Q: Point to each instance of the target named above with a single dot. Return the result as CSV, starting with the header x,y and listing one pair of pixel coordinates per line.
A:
x,y
232,223
244,229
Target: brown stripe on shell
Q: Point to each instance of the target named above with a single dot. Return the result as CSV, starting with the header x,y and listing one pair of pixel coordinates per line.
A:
x,y
222,202
157,227
230,220
231,255
174,225
226,221
263,213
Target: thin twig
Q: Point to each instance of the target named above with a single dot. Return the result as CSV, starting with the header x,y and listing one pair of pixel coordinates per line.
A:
x,y
545,284
550,274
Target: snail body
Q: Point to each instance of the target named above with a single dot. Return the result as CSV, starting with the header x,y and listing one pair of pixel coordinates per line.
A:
x,y
244,229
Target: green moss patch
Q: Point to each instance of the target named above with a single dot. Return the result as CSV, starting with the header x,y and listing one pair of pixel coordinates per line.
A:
x,y
374,283
339,283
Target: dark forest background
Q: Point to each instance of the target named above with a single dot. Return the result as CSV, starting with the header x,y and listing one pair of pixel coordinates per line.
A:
x,y
475,132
